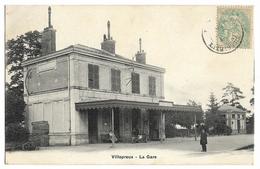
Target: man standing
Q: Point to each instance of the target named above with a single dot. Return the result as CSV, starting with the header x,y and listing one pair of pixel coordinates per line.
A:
x,y
203,140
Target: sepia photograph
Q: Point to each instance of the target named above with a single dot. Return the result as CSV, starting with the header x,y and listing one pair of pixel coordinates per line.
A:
x,y
129,84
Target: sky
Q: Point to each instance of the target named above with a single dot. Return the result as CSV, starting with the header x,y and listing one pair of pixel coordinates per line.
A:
x,y
171,38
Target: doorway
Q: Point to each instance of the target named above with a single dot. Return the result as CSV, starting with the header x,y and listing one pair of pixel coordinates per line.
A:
x,y
136,120
154,125
116,123
92,126
238,126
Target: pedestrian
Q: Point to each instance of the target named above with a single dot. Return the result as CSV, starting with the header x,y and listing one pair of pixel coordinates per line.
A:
x,y
135,134
203,140
112,137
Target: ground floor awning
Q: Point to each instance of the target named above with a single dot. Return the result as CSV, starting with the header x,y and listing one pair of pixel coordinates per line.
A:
x,y
100,104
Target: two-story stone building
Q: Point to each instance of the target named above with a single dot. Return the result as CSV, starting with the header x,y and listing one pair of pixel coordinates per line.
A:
x,y
83,92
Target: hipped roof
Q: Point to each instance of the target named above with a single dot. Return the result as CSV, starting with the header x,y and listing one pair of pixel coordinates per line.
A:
x,y
86,51
228,108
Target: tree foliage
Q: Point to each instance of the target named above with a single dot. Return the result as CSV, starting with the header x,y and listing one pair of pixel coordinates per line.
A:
x,y
213,104
232,96
19,49
185,119
250,119
250,124
215,121
14,107
252,100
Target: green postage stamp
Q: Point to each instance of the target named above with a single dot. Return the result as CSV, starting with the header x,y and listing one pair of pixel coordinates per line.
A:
x,y
234,26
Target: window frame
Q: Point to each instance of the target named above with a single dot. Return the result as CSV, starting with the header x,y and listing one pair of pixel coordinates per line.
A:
x,y
115,80
152,85
135,78
93,76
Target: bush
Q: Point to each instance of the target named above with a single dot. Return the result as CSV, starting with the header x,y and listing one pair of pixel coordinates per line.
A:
x,y
250,125
227,130
172,131
29,146
15,132
220,129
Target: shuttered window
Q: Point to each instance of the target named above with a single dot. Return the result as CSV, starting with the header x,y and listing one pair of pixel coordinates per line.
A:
x,y
152,86
115,80
135,83
93,76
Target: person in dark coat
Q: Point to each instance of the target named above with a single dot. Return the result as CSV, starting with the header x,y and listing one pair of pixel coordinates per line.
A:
x,y
203,140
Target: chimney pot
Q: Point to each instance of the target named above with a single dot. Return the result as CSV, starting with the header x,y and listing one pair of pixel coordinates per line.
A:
x,y
108,43
48,37
140,55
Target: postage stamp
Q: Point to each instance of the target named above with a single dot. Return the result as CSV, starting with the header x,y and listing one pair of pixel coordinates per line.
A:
x,y
234,26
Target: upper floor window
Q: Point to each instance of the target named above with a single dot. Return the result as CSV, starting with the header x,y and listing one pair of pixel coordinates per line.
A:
x,y
233,116
135,83
93,76
115,80
238,116
243,116
152,86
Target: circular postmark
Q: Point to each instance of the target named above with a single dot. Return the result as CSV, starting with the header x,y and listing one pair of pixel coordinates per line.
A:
x,y
228,35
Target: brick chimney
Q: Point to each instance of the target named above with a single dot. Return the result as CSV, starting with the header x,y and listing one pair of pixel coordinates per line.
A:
x,y
140,56
48,39
108,43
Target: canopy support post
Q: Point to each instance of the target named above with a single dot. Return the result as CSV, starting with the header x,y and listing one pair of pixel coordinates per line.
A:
x,y
162,126
195,126
113,125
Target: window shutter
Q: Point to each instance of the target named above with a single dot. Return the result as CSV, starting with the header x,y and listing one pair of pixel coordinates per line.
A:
x,y
135,83
93,76
115,80
90,76
96,77
152,86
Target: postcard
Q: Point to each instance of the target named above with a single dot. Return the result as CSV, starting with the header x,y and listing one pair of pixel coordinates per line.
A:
x,y
133,84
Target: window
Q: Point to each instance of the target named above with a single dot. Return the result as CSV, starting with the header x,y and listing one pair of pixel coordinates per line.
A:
x,y
233,116
93,76
135,83
243,116
238,116
115,80
152,86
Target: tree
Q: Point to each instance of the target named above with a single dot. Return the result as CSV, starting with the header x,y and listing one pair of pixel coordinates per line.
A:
x,y
214,120
185,119
14,107
213,104
232,95
19,49
193,103
251,118
252,100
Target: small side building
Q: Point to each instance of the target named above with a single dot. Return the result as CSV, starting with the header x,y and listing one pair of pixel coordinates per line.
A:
x,y
235,118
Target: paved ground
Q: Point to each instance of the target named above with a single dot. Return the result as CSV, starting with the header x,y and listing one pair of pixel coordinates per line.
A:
x,y
221,150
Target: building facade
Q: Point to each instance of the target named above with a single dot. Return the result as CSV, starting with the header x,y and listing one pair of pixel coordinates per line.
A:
x,y
84,93
235,118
